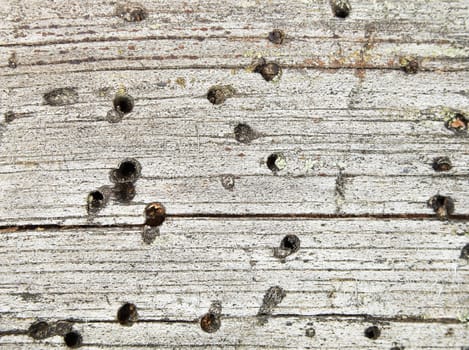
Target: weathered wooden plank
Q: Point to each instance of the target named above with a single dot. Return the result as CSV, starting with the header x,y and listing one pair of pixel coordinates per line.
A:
x,y
230,35
384,268
184,154
246,333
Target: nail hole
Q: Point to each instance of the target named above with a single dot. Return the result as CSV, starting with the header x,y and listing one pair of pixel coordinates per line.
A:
x,y
244,133
127,314
270,71
123,103
276,162
39,330
128,171
465,252
409,65
341,8
277,36
457,123
155,214
443,206
291,243
372,332
441,164
73,339
61,97
131,11
228,182
218,94
210,322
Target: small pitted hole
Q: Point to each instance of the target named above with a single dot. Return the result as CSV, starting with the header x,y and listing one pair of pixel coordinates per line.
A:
x,y
39,330
310,332
13,61
127,314
341,8
10,116
124,192
123,103
150,233
131,11
372,332
61,97
291,243
218,94
155,214
277,36
73,339
441,164
409,65
228,182
457,123
97,199
397,348
114,116
465,252
210,322
443,206
270,71
244,133
276,162
129,170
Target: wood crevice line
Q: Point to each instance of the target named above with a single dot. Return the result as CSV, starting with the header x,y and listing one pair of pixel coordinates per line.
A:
x,y
259,216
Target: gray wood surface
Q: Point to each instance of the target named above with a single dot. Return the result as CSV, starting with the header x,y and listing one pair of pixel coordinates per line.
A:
x,y
357,133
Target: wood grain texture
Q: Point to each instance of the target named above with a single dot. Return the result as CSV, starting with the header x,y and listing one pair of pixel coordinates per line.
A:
x,y
358,134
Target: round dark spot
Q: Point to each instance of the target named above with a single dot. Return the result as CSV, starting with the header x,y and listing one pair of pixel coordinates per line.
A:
x,y
310,332
465,252
443,206
73,339
128,171
277,36
291,243
127,314
244,133
397,348
441,164
123,103
228,182
372,332
276,162
210,322
155,214
216,95
124,192
39,330
341,8
457,123
269,71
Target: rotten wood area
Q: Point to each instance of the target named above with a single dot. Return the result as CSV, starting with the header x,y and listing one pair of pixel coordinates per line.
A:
x,y
234,174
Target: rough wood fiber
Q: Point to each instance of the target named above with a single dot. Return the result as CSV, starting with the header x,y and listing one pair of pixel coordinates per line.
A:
x,y
358,135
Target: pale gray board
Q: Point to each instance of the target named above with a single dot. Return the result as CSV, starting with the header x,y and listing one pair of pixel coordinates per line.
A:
x,y
245,333
325,122
384,268
219,33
